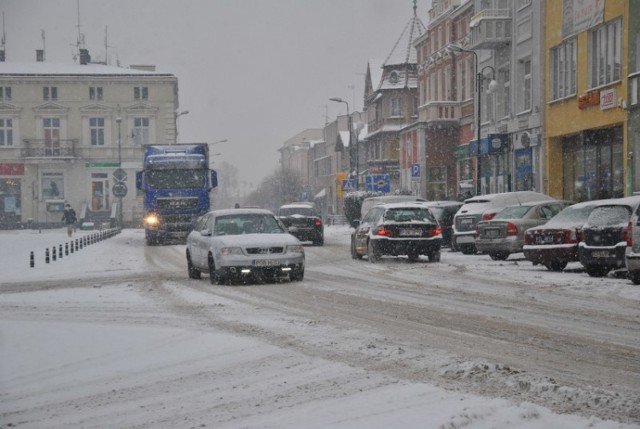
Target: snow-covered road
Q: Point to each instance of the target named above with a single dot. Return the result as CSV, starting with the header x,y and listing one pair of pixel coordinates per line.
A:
x,y
115,335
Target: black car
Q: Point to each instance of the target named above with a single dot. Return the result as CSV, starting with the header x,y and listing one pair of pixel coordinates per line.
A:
x,y
397,229
606,235
303,221
444,211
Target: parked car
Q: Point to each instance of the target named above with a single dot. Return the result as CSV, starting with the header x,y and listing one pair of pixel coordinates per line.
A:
x,y
396,229
485,207
606,236
303,221
632,254
243,244
555,243
444,211
504,234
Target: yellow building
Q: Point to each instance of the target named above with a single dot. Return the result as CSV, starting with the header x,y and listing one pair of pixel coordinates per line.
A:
x,y
586,83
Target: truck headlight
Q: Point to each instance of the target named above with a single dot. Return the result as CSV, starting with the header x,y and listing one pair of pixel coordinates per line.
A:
x,y
151,220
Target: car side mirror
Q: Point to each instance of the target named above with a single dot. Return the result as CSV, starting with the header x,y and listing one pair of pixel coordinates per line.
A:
x,y
205,233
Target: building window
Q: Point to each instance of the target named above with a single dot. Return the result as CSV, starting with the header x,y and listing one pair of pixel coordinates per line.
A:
x,y
504,77
605,54
563,70
52,185
51,131
6,132
524,70
5,93
140,93
95,93
49,93
141,131
96,128
396,106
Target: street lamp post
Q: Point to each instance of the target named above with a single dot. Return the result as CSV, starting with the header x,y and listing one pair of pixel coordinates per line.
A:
x,y
184,112
350,125
119,122
492,87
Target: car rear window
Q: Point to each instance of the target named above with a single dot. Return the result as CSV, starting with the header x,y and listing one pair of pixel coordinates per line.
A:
x,y
409,214
288,211
572,214
609,215
516,212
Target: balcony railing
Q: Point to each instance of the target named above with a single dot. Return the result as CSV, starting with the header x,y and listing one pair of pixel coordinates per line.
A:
x,y
61,149
441,112
491,28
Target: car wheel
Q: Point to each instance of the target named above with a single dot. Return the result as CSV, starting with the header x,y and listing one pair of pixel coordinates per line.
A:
x,y
372,253
499,256
319,241
297,275
193,272
354,253
596,270
468,249
413,256
215,277
555,265
634,276
434,256
453,246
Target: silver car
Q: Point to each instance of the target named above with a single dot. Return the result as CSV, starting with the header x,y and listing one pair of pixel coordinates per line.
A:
x,y
504,234
241,245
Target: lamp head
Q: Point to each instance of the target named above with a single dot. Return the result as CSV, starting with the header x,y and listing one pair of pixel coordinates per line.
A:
x,y
337,99
492,87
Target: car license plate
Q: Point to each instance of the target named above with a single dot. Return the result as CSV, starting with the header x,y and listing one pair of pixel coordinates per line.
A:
x,y
545,239
404,232
465,239
266,263
600,253
467,221
492,233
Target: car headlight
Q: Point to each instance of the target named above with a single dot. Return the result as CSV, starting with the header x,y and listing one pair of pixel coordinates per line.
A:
x,y
296,248
226,251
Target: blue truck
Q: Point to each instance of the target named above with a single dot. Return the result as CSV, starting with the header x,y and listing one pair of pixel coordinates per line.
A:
x,y
176,180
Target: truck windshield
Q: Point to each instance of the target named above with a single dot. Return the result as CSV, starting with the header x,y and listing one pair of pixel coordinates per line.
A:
x,y
176,179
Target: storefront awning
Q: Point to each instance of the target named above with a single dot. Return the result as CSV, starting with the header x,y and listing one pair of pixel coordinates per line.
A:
x,y
492,144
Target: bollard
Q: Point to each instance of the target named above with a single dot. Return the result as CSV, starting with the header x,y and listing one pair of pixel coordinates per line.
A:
x,y
60,251
66,249
53,254
71,247
77,244
32,262
81,240
46,255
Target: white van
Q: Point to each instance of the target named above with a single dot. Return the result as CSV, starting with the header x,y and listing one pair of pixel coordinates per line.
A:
x,y
485,207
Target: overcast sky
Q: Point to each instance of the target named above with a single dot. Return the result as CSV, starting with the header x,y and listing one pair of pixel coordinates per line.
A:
x,y
254,72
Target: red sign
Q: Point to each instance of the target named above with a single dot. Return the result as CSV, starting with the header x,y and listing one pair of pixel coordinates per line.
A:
x,y
11,169
589,99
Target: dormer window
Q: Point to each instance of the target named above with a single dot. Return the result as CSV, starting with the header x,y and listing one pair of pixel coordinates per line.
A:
x,y
393,77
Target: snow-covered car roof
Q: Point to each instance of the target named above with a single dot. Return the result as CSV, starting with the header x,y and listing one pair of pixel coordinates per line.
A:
x,y
240,210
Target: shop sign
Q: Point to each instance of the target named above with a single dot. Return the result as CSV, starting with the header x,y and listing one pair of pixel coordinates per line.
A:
x,y
607,98
589,99
11,169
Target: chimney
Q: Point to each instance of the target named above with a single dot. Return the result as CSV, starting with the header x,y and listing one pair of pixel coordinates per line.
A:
x,y
85,58
39,55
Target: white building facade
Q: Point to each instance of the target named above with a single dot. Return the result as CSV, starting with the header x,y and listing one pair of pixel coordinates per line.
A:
x,y
70,132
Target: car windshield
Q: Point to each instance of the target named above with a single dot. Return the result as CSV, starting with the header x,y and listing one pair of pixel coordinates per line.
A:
x,y
408,214
176,179
289,211
609,216
247,224
515,212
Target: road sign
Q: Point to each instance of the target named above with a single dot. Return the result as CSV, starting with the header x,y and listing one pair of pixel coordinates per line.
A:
x,y
119,175
348,185
119,190
415,170
378,183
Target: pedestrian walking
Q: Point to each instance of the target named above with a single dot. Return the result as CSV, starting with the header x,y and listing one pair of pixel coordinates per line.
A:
x,y
69,219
